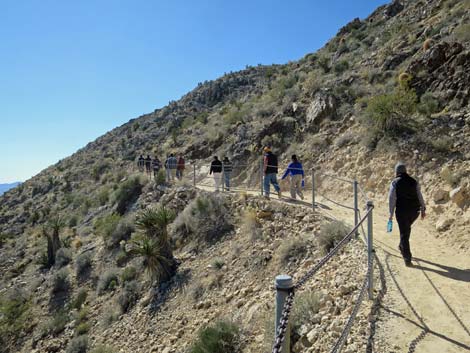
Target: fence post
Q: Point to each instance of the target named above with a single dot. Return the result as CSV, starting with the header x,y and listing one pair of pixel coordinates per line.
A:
x,y
194,175
313,189
261,164
356,207
284,285
370,249
223,177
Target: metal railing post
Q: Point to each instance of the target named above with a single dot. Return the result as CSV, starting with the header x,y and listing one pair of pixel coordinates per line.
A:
x,y
370,249
194,175
313,188
356,207
261,164
223,177
284,285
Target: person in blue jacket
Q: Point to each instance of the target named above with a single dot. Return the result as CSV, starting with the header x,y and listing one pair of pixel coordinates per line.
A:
x,y
296,173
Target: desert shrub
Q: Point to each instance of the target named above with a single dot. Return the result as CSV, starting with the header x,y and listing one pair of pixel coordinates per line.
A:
x,y
103,196
108,281
404,80
78,345
110,314
462,33
217,263
324,64
330,234
122,257
128,274
15,315
128,296
103,349
442,144
306,305
63,257
428,104
341,66
98,169
427,44
312,82
196,291
251,224
82,328
113,229
293,250
390,113
161,177
221,337
105,226
344,139
80,299
57,323
83,265
127,193
60,281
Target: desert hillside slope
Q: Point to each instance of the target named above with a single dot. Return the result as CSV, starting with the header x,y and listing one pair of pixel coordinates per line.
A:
x,y
393,86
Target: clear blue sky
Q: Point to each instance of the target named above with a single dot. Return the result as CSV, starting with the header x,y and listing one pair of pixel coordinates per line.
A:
x,y
72,70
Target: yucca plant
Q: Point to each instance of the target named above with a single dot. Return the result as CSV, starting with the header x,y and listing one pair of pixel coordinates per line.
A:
x,y
154,221
54,225
158,265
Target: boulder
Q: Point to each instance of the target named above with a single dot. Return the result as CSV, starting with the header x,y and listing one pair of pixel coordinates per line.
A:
x,y
441,196
460,196
323,106
443,224
393,9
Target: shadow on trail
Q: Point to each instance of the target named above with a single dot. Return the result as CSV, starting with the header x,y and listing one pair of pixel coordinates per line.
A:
x,y
420,322
447,271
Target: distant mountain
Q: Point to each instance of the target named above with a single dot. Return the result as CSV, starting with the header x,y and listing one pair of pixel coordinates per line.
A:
x,y
6,187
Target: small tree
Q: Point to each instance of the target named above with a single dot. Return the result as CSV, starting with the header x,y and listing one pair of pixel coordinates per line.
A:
x,y
51,232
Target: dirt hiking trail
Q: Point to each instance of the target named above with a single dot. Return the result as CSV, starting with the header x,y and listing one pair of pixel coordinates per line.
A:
x,y
424,308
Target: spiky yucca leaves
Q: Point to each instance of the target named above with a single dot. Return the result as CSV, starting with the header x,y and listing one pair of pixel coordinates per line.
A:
x,y
54,225
153,243
158,265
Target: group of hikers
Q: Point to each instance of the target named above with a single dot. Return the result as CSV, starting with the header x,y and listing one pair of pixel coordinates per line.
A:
x,y
174,167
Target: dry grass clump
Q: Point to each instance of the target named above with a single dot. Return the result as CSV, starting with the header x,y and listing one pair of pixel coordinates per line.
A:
x,y
330,234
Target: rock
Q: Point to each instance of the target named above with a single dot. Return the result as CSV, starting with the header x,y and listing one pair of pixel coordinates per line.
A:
x,y
459,196
443,224
393,9
441,196
323,106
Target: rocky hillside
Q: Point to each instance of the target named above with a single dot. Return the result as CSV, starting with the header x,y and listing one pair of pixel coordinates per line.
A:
x,y
392,86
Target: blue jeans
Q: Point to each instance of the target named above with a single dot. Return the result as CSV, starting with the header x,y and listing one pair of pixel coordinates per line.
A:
x,y
268,180
227,180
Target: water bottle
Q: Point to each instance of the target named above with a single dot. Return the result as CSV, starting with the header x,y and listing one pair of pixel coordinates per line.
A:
x,y
389,226
303,183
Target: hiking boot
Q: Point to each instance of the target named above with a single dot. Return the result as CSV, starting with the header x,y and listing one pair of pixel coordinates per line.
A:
x,y
279,194
408,263
266,197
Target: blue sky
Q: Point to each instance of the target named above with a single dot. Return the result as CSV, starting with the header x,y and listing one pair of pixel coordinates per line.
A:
x,y
72,70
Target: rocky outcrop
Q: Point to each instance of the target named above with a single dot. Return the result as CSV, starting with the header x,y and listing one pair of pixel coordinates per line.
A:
x,y
322,107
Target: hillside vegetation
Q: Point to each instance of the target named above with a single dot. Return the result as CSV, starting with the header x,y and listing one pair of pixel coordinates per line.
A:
x,y
91,252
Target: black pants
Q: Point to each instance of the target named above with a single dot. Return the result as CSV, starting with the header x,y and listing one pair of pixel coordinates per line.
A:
x,y
405,219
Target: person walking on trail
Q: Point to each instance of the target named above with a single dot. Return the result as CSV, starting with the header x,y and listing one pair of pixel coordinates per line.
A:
x,y
270,169
216,169
296,173
156,165
227,168
170,166
140,163
180,167
148,165
406,200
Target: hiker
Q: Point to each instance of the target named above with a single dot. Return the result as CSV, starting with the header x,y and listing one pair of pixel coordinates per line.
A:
x,y
180,167
296,173
140,163
227,168
406,200
270,172
148,165
216,169
170,166
156,165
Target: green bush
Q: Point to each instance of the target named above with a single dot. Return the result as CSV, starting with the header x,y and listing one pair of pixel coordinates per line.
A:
x,y
462,33
428,104
83,264
129,296
57,323
341,66
78,345
15,317
113,229
324,64
82,328
330,234
293,250
63,257
218,263
128,274
442,144
389,114
222,337
103,349
127,193
306,305
60,282
108,281
80,299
